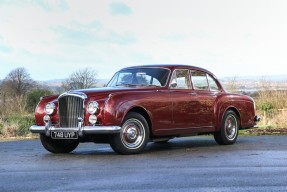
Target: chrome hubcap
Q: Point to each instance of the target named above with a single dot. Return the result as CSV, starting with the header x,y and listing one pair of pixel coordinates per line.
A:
x,y
231,127
132,134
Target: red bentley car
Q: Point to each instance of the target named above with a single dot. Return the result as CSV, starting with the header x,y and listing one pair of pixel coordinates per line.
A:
x,y
141,104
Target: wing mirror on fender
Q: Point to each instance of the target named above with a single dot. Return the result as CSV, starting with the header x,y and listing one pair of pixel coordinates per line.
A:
x,y
173,85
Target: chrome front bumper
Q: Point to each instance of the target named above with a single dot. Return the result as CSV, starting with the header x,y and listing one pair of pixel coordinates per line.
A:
x,y
85,130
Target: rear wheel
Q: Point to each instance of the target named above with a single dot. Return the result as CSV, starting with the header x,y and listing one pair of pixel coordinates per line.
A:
x,y
58,146
229,129
133,137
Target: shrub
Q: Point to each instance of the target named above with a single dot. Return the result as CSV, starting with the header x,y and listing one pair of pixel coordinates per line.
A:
x,y
34,97
266,106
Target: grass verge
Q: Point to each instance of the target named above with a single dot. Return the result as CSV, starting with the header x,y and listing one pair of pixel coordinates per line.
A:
x,y
16,126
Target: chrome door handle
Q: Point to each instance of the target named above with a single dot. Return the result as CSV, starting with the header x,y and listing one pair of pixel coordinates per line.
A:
x,y
193,94
213,94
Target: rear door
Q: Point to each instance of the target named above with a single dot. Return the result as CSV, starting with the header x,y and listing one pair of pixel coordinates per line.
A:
x,y
207,91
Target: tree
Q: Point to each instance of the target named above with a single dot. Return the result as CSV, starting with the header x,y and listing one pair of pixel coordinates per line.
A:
x,y
18,82
14,89
81,79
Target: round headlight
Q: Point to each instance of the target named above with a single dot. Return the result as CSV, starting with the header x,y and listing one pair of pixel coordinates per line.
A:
x,y
93,107
93,119
50,108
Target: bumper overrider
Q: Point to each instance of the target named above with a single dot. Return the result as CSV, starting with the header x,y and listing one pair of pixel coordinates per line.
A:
x,y
81,129
257,118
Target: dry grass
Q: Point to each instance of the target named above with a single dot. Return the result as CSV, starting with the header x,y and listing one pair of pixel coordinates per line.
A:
x,y
279,120
270,100
8,129
15,126
277,99
272,106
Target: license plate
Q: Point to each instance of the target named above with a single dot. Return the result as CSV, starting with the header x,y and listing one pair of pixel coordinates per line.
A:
x,y
64,135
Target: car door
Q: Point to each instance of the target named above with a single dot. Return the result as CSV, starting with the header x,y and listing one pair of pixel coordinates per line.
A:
x,y
184,101
207,91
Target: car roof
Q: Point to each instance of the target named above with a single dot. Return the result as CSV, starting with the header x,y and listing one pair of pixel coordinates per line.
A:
x,y
170,66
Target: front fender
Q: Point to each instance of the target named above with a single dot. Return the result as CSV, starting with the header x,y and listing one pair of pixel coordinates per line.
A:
x,y
39,111
117,106
114,110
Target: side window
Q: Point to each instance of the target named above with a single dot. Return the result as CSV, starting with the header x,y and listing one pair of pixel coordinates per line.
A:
x,y
212,84
180,79
199,80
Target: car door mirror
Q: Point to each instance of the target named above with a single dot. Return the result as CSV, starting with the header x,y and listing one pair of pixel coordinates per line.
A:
x,y
173,85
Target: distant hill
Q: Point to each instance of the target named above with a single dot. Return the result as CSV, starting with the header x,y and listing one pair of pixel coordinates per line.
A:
x,y
54,83
271,78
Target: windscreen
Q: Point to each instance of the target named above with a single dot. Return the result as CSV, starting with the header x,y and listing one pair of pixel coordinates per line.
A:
x,y
140,77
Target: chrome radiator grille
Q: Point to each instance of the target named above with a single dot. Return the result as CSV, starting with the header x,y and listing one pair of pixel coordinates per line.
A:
x,y
70,109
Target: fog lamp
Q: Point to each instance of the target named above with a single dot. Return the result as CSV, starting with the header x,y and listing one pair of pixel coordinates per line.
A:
x,y
46,118
93,119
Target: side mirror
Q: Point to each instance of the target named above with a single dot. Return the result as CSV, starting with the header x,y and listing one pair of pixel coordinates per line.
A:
x,y
173,85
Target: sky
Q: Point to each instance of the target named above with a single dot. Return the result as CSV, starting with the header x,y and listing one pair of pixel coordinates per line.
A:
x,y
52,39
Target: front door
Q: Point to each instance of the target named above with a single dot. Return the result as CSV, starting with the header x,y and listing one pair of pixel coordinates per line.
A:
x,y
185,103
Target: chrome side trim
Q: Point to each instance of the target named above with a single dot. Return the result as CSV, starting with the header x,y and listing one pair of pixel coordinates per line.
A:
x,y
101,129
83,130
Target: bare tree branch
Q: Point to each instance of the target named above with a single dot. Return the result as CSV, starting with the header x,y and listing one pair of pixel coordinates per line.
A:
x,y
81,79
18,82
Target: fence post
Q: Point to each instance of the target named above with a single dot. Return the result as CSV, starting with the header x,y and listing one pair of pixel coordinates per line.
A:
x,y
264,118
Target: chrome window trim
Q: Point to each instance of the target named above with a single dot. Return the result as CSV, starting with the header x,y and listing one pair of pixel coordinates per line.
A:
x,y
167,80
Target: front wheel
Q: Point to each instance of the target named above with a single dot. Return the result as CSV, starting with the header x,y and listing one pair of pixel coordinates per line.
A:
x,y
133,137
58,146
229,129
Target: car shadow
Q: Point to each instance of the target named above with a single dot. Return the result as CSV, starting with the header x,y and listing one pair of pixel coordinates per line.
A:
x,y
190,143
177,144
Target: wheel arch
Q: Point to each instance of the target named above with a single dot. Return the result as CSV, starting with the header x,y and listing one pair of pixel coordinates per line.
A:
x,y
221,116
145,114
236,111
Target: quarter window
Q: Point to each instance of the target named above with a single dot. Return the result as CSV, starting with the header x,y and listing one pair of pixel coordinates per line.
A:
x,y
212,84
199,80
203,81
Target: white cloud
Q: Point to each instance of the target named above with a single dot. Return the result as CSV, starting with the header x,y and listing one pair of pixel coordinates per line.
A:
x,y
119,8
